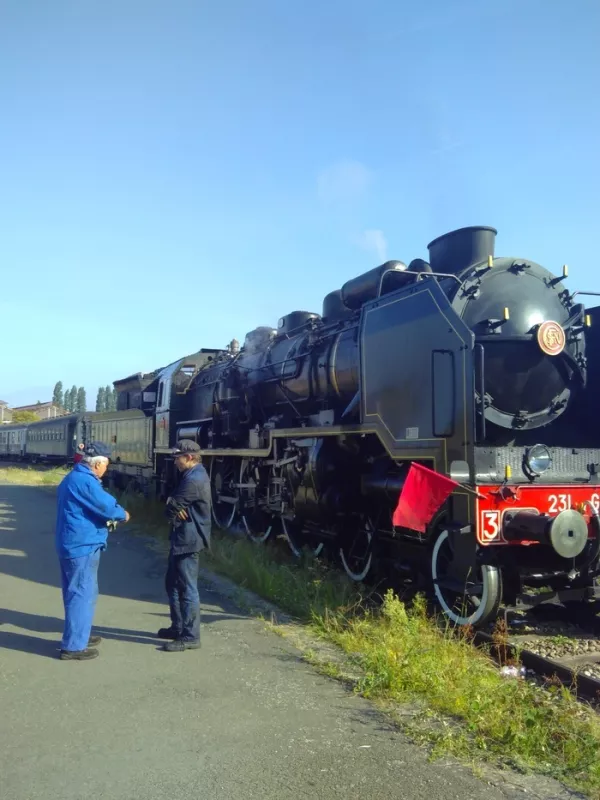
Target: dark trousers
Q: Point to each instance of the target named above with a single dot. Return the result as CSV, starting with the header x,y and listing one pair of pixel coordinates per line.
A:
x,y
184,600
80,592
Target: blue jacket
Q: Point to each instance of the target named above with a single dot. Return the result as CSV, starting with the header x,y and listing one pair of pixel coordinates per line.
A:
x,y
193,495
84,508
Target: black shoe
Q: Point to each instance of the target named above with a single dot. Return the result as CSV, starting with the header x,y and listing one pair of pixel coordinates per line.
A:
x,y
94,641
179,645
78,655
168,633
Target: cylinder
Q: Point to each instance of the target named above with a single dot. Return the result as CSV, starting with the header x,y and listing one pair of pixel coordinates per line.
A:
x,y
192,433
566,533
526,525
452,252
388,486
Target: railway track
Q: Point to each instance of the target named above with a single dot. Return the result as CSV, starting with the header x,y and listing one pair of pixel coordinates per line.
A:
x,y
551,645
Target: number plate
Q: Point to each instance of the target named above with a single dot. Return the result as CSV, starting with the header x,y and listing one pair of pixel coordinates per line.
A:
x,y
549,500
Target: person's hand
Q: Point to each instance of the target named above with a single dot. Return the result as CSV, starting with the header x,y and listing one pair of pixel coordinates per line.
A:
x,y
127,517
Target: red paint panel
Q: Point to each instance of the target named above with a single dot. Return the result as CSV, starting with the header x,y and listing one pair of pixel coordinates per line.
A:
x,y
495,501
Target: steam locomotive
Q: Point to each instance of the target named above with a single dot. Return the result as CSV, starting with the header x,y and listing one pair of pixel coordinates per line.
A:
x,y
484,369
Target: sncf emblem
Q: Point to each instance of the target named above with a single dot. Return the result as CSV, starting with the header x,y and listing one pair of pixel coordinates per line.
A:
x,y
551,338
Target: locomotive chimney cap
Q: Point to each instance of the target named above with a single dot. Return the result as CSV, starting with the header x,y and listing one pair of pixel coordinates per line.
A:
x,y
460,231
453,251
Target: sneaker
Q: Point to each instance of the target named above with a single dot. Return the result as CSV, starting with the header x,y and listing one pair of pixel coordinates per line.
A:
x,y
168,633
179,645
78,655
94,641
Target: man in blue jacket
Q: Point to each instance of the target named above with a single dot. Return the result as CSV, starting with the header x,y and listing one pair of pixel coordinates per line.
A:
x,y
84,510
188,511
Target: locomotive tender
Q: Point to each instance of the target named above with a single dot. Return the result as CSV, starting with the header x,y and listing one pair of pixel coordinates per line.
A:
x,y
482,368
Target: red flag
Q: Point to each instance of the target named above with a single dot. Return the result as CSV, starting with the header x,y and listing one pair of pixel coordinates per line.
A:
x,y
423,493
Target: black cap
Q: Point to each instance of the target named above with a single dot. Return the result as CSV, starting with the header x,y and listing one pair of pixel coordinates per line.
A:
x,y
97,449
184,447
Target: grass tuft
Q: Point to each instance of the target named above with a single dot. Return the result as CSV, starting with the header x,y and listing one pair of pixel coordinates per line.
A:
x,y
33,475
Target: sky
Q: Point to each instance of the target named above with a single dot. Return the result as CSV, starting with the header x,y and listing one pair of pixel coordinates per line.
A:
x,y
173,175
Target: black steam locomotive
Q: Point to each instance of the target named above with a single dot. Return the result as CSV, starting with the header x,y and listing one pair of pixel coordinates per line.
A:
x,y
481,368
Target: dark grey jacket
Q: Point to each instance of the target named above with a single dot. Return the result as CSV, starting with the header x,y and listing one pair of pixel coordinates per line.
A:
x,y
193,495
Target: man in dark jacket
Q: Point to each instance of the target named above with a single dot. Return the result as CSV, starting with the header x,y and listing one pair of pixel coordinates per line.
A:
x,y
83,511
188,511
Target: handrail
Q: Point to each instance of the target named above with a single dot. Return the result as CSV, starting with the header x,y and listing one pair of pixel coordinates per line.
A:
x,y
420,276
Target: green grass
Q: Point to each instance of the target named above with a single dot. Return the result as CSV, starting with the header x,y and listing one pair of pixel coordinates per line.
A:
x,y
406,656
33,475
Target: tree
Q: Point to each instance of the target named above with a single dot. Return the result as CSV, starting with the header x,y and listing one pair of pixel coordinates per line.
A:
x,y
81,400
57,395
107,399
25,416
100,397
71,399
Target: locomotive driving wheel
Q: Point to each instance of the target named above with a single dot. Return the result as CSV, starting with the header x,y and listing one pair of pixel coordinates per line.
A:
x,y
224,494
467,595
256,520
294,536
356,550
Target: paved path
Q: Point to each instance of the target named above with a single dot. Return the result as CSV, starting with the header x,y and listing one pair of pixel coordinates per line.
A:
x,y
243,717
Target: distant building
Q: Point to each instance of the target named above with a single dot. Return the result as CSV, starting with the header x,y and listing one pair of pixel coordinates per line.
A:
x,y
43,410
5,413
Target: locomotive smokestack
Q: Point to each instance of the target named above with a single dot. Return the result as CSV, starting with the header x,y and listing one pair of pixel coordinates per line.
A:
x,y
458,249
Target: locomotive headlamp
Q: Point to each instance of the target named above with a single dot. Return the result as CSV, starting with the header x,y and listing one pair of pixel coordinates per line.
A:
x,y
537,459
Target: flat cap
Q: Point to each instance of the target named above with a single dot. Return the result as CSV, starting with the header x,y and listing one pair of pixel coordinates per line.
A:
x,y
97,449
184,447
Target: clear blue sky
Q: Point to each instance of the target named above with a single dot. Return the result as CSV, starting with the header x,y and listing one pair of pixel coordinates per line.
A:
x,y
173,174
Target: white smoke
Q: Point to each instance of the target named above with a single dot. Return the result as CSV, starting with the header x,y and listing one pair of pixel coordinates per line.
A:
x,y
374,241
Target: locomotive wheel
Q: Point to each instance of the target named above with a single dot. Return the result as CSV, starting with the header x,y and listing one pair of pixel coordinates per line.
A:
x,y
356,552
256,522
224,495
473,603
292,533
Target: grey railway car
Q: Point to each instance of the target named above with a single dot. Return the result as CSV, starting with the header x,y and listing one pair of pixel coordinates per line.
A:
x,y
129,434
53,439
12,441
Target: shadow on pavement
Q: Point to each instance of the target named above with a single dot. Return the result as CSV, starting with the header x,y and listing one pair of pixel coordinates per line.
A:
x,y
129,569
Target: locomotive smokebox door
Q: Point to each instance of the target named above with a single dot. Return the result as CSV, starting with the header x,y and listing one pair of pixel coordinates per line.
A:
x,y
417,376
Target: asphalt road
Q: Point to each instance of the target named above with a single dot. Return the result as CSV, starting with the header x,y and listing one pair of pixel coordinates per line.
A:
x,y
243,717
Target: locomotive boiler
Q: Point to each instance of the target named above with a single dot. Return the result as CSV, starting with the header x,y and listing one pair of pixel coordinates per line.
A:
x,y
482,368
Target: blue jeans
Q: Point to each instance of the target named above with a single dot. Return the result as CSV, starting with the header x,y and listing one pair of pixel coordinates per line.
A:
x,y
80,592
181,583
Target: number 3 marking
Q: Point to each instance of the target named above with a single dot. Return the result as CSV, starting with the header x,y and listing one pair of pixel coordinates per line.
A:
x,y
490,525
